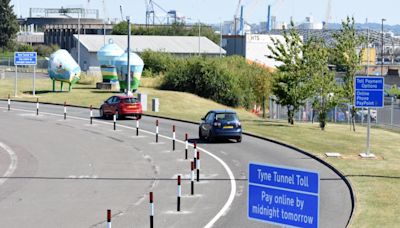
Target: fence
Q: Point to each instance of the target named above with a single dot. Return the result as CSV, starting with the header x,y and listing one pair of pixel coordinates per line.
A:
x,y
388,116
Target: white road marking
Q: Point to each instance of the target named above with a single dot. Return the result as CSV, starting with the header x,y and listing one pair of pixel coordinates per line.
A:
x,y
13,163
232,194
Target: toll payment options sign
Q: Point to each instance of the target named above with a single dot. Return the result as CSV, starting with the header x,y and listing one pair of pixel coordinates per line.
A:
x,y
283,196
25,58
368,92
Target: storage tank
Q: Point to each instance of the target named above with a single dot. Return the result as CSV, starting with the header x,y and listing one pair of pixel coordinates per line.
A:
x,y
62,67
136,64
106,57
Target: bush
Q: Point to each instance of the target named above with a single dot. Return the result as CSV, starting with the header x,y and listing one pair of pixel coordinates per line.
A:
x,y
230,81
394,91
156,63
45,50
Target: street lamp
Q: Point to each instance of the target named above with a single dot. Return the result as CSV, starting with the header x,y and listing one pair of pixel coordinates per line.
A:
x,y
383,19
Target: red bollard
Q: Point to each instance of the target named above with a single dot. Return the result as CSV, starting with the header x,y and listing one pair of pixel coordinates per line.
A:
x,y
65,110
37,106
194,154
9,102
137,127
186,146
108,218
192,178
198,166
151,210
156,131
179,193
91,114
173,138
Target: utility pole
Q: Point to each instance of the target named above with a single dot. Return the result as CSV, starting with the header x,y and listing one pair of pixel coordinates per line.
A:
x,y
383,19
79,42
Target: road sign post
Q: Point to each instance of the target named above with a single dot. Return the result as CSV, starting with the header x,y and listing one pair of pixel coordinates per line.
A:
x,y
25,59
283,196
368,94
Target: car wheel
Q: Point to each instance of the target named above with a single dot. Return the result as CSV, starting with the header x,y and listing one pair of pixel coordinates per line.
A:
x,y
210,138
116,115
201,135
138,117
239,139
102,113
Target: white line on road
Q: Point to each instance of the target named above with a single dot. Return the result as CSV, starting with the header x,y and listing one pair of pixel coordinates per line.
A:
x,y
13,164
232,194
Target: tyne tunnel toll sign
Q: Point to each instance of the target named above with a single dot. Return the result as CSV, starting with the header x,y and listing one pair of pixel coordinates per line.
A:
x,y
283,196
368,92
25,58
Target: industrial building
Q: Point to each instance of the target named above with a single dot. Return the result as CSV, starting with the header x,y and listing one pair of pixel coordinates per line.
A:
x,y
176,45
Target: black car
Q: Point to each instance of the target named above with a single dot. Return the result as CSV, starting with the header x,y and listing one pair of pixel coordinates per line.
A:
x,y
220,124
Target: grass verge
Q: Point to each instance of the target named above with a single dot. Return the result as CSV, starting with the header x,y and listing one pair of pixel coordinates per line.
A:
x,y
376,182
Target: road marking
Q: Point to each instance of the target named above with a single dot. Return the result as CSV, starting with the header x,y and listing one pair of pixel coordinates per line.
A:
x,y
13,164
232,194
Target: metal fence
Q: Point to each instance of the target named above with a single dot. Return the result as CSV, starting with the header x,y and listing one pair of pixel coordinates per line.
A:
x,y
388,116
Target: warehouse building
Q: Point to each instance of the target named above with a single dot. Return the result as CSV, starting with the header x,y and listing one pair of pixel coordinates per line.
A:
x,y
183,46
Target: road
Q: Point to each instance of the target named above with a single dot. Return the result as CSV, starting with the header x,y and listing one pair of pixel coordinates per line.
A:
x,y
68,173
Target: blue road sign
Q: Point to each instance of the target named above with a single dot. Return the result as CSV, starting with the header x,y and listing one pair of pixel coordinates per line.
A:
x,y
25,58
369,92
283,196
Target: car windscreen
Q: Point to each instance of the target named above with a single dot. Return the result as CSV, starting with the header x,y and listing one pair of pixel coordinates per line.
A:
x,y
226,117
130,100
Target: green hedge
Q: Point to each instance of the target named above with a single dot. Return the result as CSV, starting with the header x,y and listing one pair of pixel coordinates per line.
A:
x,y
230,81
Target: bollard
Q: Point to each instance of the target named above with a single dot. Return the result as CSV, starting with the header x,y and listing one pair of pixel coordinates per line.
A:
x,y
179,193
91,114
194,153
192,178
9,102
137,127
108,218
198,166
173,137
115,122
156,131
65,110
186,145
37,106
151,210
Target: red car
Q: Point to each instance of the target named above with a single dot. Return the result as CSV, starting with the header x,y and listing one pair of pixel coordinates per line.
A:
x,y
121,105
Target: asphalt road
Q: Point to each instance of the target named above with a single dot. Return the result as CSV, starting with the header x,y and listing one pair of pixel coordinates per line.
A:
x,y
67,173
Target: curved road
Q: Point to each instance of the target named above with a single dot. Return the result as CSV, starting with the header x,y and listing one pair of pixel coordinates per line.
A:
x,y
68,173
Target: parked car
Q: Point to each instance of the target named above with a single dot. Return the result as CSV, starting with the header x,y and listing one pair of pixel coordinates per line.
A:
x,y
220,124
121,106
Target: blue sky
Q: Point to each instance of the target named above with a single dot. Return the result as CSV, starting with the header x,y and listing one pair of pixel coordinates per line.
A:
x,y
213,11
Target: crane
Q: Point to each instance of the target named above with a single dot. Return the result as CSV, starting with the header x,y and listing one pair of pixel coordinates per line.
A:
x,y
236,16
328,13
121,12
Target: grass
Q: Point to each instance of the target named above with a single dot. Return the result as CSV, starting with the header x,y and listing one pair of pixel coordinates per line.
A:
x,y
376,182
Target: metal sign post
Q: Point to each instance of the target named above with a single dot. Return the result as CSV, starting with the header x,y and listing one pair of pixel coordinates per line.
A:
x,y
368,94
25,59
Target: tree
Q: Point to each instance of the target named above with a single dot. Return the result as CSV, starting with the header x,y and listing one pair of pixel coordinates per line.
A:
x,y
323,83
346,57
290,85
8,23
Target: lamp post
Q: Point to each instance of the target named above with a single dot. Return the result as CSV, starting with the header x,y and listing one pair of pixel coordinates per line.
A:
x,y
128,80
79,33
383,19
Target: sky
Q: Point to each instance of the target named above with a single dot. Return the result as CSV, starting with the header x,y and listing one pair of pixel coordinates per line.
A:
x,y
215,11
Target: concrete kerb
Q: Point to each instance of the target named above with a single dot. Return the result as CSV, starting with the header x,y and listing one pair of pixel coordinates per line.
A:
x,y
339,173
